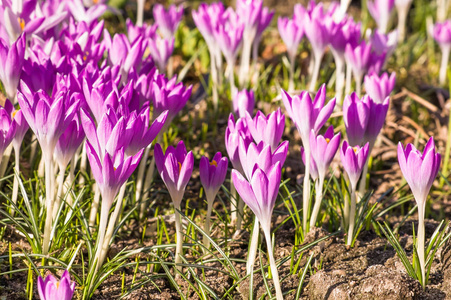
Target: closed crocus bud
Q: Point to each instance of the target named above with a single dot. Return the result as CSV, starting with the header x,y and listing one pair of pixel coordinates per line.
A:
x,y
7,128
167,20
11,61
291,33
69,142
264,21
353,160
161,50
206,17
212,174
419,169
229,37
146,31
442,34
52,289
384,43
175,167
249,12
234,132
268,129
358,58
378,113
379,87
356,115
243,102
308,114
323,149
123,53
381,10
260,155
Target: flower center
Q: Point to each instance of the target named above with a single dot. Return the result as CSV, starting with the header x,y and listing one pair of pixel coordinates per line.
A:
x,y
21,23
355,149
213,163
327,140
180,166
14,113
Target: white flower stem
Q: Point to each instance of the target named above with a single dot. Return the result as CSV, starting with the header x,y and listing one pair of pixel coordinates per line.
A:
x,y
140,13
59,194
5,160
444,64
104,212
319,197
306,188
292,59
16,180
348,79
248,39
214,79
272,263
402,19
233,202
207,229
94,206
421,239
358,84
230,67
340,77
352,216
317,59
252,253
112,224
49,193
179,244
83,165
140,175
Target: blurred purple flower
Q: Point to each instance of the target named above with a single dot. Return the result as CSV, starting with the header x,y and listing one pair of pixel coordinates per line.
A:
x,y
291,34
379,87
243,102
381,10
167,20
161,50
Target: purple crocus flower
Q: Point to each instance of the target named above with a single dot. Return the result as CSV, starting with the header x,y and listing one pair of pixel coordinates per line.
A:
x,y
20,124
291,33
268,129
175,168
229,36
206,19
353,160
68,143
260,155
11,62
243,102
161,50
381,10
81,13
358,58
442,34
379,87
52,289
384,43
16,20
7,128
146,31
264,21
233,133
212,174
356,116
323,149
167,20
419,170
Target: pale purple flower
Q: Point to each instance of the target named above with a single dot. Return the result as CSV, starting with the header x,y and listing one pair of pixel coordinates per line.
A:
x,y
442,33
52,289
243,102
161,50
291,34
379,87
69,142
11,62
229,37
212,174
268,129
323,149
381,10
167,20
353,160
234,132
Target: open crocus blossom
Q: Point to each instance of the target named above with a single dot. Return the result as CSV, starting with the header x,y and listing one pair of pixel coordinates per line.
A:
x,y
260,194
379,87
381,10
212,175
353,160
11,61
167,20
419,170
268,129
243,102
175,168
308,115
52,289
442,34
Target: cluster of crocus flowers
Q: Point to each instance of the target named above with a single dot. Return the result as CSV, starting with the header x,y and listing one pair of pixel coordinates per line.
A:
x,y
308,115
419,170
52,289
442,34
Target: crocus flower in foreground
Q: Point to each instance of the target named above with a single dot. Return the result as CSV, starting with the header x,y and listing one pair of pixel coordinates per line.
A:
x,y
379,87
323,149
167,20
353,160
243,101
52,289
7,128
419,170
175,168
356,115
212,175
268,129
442,34
260,194
11,61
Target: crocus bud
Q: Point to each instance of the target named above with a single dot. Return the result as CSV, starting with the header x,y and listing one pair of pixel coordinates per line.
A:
x,y
379,87
243,102
442,34
353,160
134,31
161,50
380,10
291,33
358,58
175,168
356,115
229,36
11,61
233,133
308,114
268,129
249,13
323,149
212,174
167,20
419,169
52,289
69,142
7,128
207,17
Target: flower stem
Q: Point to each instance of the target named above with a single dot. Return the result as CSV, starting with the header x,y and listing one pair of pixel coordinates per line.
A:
x,y
179,245
16,180
319,197
272,263
352,216
252,253
318,58
49,193
140,13
420,241
60,193
248,39
292,59
140,176
306,188
207,225
402,18
104,212
214,79
348,79
444,64
94,206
